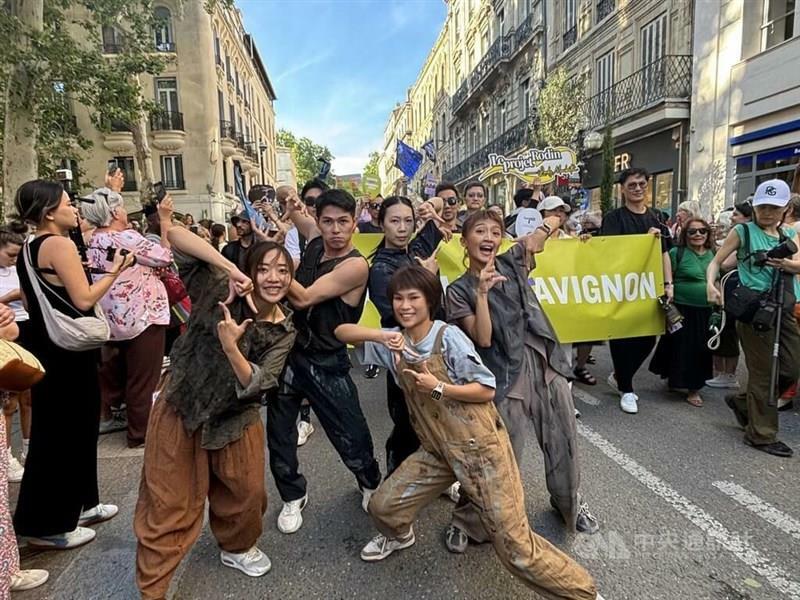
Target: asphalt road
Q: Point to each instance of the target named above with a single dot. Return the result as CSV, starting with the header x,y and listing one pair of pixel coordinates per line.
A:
x,y
687,512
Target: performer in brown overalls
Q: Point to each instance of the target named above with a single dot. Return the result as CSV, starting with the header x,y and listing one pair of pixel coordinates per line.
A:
x,y
449,394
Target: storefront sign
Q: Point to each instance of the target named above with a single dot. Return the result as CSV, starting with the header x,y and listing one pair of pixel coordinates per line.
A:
x,y
535,165
622,162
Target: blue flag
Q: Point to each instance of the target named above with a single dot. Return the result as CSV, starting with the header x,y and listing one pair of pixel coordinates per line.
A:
x,y
430,150
252,213
407,159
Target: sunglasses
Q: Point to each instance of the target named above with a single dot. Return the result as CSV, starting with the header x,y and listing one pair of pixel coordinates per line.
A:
x,y
701,231
374,205
309,201
451,201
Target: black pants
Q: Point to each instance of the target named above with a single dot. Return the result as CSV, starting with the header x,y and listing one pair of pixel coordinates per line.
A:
x,y
403,440
334,398
628,355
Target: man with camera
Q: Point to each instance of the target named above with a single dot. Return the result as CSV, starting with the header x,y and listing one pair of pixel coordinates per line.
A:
x,y
768,262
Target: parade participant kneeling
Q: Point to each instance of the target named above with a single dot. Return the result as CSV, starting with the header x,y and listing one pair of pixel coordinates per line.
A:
x,y
206,438
449,393
532,368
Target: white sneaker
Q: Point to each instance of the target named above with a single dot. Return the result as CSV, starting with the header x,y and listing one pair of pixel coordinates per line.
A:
x,y
15,470
453,492
63,541
291,517
98,514
380,546
253,562
28,579
724,381
628,403
304,431
612,382
366,496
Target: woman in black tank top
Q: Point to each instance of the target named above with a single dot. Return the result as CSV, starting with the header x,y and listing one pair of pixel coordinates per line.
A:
x,y
59,489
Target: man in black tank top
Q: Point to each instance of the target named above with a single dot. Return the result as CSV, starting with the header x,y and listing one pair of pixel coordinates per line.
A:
x,y
329,289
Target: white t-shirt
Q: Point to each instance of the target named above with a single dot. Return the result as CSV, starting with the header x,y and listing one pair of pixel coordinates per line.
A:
x,y
9,281
292,243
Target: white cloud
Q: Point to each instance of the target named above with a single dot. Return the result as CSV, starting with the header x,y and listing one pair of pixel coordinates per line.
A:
x,y
345,165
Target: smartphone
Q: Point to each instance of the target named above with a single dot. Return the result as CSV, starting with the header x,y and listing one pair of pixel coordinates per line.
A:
x,y
160,191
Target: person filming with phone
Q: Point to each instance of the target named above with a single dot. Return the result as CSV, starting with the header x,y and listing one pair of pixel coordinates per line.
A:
x,y
136,307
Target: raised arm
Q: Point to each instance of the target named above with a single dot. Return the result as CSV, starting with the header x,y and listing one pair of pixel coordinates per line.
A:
x,y
345,277
306,226
186,242
64,259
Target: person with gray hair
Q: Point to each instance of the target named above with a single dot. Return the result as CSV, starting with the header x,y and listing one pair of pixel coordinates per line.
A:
x,y
687,210
137,310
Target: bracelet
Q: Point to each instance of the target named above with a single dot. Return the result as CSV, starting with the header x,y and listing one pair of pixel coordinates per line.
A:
x,y
546,228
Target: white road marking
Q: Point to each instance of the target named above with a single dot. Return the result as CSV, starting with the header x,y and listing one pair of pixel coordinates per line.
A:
x,y
757,506
731,542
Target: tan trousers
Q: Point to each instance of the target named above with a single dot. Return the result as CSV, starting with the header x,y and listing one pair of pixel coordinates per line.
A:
x,y
177,477
489,475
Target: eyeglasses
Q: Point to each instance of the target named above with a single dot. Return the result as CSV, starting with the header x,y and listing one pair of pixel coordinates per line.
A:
x,y
309,201
701,231
636,184
452,201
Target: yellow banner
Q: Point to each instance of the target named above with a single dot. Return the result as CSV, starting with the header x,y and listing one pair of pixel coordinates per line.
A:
x,y
605,288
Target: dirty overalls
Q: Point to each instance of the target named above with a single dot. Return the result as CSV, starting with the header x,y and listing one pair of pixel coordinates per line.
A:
x,y
468,442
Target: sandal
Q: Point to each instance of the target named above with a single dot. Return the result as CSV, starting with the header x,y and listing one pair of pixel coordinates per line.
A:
x,y
582,375
698,402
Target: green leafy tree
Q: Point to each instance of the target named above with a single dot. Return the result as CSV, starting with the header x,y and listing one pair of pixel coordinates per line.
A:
x,y
560,106
305,153
607,181
371,171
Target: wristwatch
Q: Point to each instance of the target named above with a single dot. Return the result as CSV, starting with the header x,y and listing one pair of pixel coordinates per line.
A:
x,y
438,391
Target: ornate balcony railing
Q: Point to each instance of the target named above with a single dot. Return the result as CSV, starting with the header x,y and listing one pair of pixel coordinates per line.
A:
x,y
167,121
570,37
513,139
605,8
669,77
110,48
227,130
502,50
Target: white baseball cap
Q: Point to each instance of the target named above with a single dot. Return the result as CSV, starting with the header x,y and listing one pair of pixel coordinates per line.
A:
x,y
552,203
774,192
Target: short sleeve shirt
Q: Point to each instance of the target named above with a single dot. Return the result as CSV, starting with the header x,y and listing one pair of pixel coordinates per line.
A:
x,y
463,363
622,221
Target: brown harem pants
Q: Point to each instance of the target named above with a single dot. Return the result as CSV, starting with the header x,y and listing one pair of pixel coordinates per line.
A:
x,y
177,477
489,475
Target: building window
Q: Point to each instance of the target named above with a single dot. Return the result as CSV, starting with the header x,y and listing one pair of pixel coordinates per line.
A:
x,y
654,40
501,117
172,172
524,99
127,164
167,94
570,23
604,70
217,49
164,38
662,192
777,22
501,22
112,40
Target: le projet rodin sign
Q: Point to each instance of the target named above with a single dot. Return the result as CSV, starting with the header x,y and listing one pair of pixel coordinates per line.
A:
x,y
538,166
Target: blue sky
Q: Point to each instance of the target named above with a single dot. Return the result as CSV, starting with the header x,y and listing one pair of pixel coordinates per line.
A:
x,y
339,66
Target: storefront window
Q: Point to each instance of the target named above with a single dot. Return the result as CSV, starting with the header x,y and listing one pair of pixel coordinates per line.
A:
x,y
744,164
662,192
772,164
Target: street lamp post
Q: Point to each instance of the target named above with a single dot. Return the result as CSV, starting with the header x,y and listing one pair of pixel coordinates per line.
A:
x,y
262,148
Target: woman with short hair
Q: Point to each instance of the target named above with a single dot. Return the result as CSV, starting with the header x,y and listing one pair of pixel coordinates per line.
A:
x,y
136,307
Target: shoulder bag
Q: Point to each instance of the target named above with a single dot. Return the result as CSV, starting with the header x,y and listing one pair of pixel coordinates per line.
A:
x,y
78,334
19,369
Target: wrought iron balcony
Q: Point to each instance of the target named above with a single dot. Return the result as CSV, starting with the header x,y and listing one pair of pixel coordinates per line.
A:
x,y
167,121
670,77
605,8
227,130
524,32
460,96
570,37
513,139
109,48
499,51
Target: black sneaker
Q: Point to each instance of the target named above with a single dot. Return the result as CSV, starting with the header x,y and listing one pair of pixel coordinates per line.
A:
x,y
775,448
372,371
741,417
455,539
784,405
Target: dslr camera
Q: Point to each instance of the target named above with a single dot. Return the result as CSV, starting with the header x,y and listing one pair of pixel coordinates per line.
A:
x,y
786,249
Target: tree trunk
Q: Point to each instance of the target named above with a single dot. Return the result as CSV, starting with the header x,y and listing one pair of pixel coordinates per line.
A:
x,y
144,156
21,132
